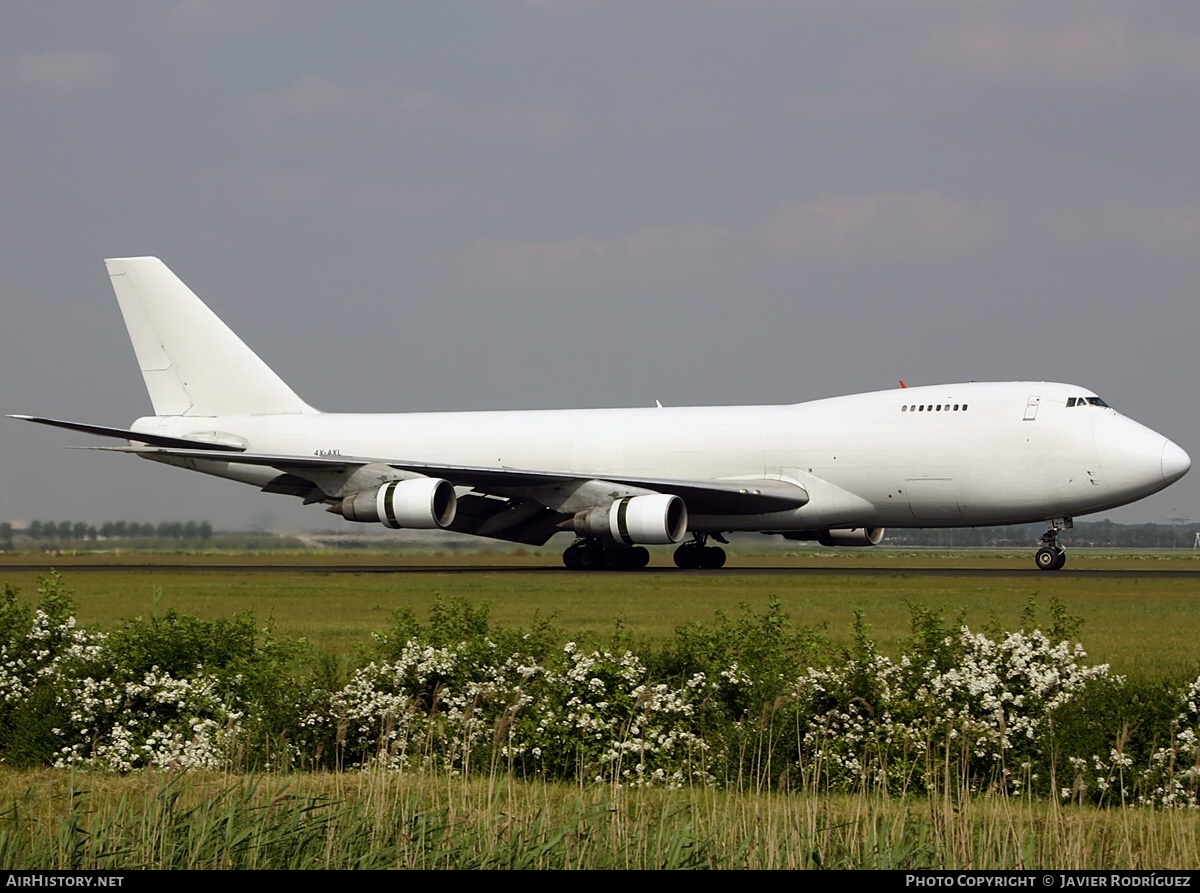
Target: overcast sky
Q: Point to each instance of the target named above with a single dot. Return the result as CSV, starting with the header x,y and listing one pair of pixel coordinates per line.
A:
x,y
574,203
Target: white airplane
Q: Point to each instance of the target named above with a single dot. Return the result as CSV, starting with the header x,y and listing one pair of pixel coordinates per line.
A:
x,y
837,471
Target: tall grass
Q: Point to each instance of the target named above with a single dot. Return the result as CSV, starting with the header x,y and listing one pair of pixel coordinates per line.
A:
x,y
431,820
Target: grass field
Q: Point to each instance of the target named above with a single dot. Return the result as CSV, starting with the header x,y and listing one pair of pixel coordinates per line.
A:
x,y
1144,623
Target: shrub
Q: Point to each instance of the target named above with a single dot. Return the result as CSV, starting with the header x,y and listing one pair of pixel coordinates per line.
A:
x,y
751,700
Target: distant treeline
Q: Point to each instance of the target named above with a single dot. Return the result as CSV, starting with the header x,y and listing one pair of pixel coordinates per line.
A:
x,y
62,532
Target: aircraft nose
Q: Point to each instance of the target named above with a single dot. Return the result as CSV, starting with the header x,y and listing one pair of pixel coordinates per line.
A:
x,y
1136,461
1175,462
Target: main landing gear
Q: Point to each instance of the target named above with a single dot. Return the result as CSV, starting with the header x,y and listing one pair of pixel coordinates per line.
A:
x,y
697,554
595,555
1051,556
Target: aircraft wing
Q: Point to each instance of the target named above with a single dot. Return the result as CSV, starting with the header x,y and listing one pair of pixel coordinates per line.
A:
x,y
721,497
519,505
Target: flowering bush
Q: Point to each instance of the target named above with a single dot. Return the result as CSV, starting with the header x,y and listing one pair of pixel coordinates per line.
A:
x,y
977,720
1173,778
158,721
169,692
592,714
755,698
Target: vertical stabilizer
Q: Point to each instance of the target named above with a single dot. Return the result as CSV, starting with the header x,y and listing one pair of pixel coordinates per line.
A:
x,y
193,363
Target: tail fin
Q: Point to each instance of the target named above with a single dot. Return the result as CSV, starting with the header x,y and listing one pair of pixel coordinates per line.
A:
x,y
193,363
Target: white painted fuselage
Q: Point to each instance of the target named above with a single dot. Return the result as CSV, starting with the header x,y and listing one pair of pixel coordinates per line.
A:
x,y
982,453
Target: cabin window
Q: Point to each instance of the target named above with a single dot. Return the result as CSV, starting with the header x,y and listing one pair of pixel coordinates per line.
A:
x,y
945,407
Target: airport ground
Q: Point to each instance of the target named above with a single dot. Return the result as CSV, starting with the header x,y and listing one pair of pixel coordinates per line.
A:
x,y
1141,610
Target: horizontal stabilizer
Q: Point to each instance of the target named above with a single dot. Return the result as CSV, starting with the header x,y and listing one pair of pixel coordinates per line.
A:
x,y
160,440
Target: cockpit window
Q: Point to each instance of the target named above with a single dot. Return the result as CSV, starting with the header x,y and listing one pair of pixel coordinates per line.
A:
x,y
1085,401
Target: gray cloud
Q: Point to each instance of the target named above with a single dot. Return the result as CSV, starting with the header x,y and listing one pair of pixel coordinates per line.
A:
x,y
316,99
220,18
66,72
681,254
878,228
1161,233
1096,53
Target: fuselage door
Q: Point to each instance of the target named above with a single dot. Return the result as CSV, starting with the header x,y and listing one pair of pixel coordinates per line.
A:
x,y
1031,408
933,498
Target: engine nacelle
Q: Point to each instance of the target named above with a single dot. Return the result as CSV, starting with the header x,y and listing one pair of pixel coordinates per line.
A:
x,y
852,536
419,503
654,519
848,536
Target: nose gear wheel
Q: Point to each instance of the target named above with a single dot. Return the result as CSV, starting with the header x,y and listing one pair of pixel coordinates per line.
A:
x,y
1051,556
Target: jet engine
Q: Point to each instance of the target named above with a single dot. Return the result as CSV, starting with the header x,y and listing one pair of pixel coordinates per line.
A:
x,y
654,519
847,536
420,503
852,536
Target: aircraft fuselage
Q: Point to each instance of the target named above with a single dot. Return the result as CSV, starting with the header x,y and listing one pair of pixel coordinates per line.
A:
x,y
972,454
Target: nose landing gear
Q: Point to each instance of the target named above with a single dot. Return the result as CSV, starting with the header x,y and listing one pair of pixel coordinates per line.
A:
x,y
1051,556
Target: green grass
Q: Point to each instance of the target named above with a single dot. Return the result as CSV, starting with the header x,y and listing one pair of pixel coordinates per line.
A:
x,y
1142,625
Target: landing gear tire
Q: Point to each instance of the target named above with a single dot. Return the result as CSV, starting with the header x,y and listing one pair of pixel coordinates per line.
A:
x,y
694,555
1051,556
590,555
1048,559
